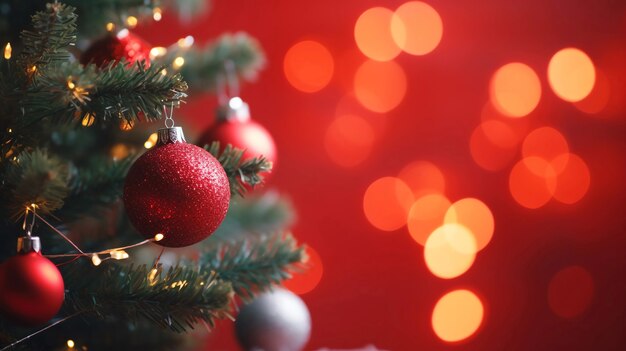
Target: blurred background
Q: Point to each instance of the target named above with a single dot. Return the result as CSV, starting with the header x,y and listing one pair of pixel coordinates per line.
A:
x,y
503,120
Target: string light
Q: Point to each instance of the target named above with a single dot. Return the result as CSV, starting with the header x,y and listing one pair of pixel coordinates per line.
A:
x,y
32,69
110,26
96,260
70,343
7,51
71,84
178,62
159,237
156,14
152,277
157,51
131,21
163,72
152,139
119,254
126,125
186,42
88,120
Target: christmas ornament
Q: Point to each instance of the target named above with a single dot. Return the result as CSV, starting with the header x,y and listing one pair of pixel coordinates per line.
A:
x,y
31,287
114,47
234,126
176,189
275,321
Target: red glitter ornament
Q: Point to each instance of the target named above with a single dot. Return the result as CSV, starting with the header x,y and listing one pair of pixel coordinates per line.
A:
x,y
176,189
123,45
234,126
31,286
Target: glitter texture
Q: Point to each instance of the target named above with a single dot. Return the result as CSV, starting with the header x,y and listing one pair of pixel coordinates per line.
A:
x,y
179,190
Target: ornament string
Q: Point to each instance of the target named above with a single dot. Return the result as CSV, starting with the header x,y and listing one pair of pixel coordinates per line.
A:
x,y
41,330
227,83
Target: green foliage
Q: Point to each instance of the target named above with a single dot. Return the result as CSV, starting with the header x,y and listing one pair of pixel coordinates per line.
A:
x,y
205,68
53,31
175,299
256,213
36,178
240,174
253,266
95,186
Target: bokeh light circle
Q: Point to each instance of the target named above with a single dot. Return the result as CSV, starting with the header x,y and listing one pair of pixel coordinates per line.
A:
x,y
349,140
457,315
416,28
304,282
386,203
308,66
380,86
599,96
423,178
372,33
572,182
426,214
515,89
571,74
476,216
570,291
486,153
450,251
532,182
547,143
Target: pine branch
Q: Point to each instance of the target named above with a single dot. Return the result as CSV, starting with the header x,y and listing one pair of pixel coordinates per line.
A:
x,y
75,93
260,213
94,187
253,266
176,299
204,68
240,174
53,31
36,178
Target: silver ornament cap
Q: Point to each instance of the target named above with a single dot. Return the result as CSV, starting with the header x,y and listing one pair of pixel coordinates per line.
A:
x,y
236,109
27,243
171,135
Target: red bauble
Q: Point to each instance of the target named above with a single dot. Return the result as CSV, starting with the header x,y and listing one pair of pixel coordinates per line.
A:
x,y
124,45
179,190
31,289
246,134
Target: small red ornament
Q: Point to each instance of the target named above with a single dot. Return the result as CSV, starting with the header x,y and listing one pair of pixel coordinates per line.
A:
x,y
31,286
176,189
114,47
234,126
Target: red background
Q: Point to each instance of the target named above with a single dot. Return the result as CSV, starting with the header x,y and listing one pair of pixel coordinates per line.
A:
x,y
376,288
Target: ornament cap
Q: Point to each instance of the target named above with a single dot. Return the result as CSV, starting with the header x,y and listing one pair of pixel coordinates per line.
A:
x,y
236,109
171,135
27,243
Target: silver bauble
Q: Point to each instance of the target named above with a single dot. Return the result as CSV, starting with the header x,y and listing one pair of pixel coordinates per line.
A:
x,y
274,321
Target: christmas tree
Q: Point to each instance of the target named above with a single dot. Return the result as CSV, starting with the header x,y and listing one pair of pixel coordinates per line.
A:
x,y
79,94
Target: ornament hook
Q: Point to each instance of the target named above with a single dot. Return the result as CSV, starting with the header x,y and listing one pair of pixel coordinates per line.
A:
x,y
169,120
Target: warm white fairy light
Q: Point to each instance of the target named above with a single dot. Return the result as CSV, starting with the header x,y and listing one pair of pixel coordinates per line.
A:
x,y
7,51
131,21
178,62
163,72
152,139
95,259
156,14
70,343
157,51
152,276
159,237
110,26
118,254
186,42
